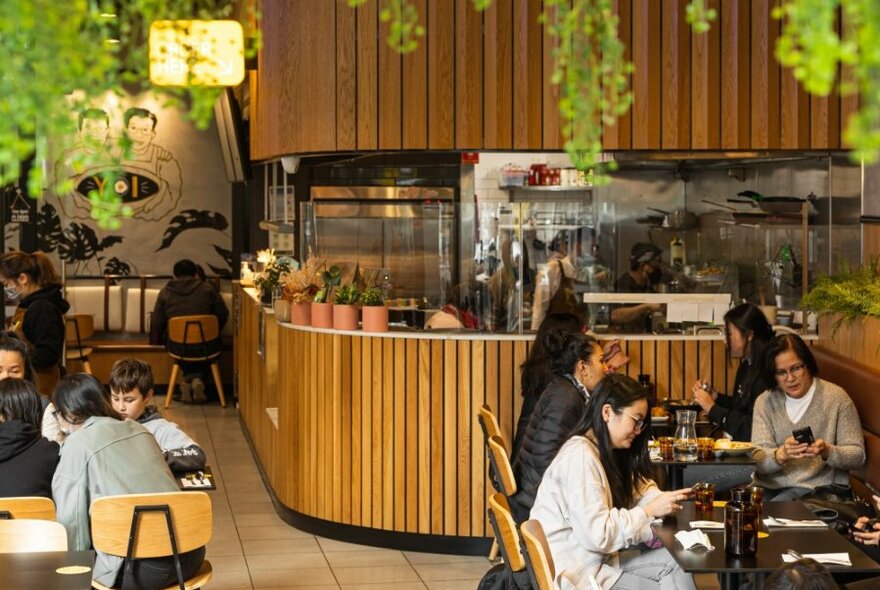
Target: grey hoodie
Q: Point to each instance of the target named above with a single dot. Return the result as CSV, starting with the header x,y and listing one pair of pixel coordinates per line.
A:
x,y
181,452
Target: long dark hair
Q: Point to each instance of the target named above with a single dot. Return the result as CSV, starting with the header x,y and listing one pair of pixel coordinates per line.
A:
x,y
10,342
80,396
783,343
537,370
575,347
749,318
19,400
625,468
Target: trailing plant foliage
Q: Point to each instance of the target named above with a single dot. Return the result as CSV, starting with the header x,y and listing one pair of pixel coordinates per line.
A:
x,y
63,57
851,294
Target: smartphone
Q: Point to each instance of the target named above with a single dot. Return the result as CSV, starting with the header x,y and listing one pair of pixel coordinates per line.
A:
x,y
804,435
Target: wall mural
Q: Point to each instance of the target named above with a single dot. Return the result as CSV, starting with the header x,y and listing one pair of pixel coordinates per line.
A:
x,y
172,179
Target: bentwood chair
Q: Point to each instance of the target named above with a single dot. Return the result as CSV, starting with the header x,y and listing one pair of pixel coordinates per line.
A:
x,y
78,328
193,339
30,507
32,536
539,561
508,538
489,425
139,526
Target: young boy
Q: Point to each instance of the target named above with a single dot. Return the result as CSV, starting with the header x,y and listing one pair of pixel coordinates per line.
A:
x,y
131,391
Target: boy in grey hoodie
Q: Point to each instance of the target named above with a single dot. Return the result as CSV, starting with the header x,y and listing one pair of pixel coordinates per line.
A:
x,y
131,391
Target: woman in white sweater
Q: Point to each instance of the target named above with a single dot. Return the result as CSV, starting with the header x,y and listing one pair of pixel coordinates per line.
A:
x,y
597,497
788,468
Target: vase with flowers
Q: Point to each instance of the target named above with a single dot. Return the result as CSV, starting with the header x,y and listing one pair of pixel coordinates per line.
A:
x,y
300,287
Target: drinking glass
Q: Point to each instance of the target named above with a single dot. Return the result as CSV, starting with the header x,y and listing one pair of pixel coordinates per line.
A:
x,y
706,448
666,447
704,494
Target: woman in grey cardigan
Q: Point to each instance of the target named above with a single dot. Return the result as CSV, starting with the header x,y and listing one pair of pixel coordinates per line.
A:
x,y
787,468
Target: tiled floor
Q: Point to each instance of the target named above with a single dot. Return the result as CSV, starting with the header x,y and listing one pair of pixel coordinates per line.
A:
x,y
253,548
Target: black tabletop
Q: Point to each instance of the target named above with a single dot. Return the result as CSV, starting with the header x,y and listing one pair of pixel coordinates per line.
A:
x,y
38,570
722,461
770,548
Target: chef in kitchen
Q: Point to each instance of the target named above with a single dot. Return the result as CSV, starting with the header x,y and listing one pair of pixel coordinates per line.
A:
x,y
644,274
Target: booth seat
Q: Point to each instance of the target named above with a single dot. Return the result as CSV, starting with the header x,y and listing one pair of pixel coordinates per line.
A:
x,y
104,303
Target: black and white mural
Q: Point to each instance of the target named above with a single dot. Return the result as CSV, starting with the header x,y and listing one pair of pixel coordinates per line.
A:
x,y
172,184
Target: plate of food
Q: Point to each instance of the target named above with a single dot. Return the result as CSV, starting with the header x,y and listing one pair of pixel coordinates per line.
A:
x,y
659,415
733,447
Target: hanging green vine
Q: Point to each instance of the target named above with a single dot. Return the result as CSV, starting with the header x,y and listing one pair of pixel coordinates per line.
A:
x,y
699,16
64,57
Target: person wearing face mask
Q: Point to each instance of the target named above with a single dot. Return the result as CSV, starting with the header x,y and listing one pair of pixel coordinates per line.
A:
x,y
31,281
577,368
645,272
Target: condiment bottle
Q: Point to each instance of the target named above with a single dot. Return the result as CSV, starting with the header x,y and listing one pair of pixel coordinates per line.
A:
x,y
740,525
677,252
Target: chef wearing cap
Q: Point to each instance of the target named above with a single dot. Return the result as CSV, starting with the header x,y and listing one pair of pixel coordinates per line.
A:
x,y
645,272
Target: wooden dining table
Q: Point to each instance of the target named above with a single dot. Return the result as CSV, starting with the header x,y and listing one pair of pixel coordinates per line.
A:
x,y
46,571
778,541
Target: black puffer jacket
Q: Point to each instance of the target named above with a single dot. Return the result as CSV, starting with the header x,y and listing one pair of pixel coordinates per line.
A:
x,y
43,325
560,409
27,461
734,412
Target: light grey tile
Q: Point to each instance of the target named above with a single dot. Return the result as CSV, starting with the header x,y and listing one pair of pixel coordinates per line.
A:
x,y
386,585
452,571
419,558
451,584
379,558
278,531
260,520
286,561
328,545
375,575
304,578
273,546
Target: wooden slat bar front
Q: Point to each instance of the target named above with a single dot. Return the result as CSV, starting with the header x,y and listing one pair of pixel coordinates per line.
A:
x,y
377,439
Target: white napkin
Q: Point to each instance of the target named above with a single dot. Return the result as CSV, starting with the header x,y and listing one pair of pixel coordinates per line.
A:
x,y
829,558
691,539
788,522
706,524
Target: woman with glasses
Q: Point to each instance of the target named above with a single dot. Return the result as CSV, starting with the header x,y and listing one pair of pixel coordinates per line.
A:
x,y
598,497
577,366
788,468
107,456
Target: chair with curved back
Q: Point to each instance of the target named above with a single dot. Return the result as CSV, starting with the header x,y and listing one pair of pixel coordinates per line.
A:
x,y
489,425
193,339
500,462
27,507
536,550
25,535
78,328
508,538
140,526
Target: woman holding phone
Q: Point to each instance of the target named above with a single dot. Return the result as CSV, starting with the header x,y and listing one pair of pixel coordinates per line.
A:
x,y
806,430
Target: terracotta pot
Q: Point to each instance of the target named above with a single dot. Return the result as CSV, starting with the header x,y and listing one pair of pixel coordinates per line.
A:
x,y
345,317
301,313
375,318
281,309
322,315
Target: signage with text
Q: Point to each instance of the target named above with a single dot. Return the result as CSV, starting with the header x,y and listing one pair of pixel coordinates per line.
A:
x,y
196,53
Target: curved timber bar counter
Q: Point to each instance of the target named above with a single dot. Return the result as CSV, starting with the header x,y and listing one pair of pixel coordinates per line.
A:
x,y
373,438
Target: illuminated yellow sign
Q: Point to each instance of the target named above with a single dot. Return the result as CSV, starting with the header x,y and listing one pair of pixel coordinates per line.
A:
x,y
196,53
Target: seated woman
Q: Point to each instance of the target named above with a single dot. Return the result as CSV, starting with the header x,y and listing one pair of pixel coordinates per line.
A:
x,y
787,468
15,363
597,497
106,456
27,460
577,368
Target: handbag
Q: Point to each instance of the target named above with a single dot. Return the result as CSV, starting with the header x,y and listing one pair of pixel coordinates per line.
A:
x,y
837,505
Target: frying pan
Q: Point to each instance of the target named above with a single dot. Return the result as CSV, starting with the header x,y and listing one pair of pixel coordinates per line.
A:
x,y
677,219
775,205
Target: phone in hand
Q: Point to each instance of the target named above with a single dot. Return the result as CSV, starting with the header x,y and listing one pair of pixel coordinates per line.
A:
x,y
804,435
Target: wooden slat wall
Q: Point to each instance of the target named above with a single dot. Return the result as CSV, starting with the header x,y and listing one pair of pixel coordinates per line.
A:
x,y
735,16
498,80
646,107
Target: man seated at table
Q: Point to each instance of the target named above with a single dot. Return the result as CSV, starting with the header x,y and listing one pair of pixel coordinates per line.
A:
x,y
131,391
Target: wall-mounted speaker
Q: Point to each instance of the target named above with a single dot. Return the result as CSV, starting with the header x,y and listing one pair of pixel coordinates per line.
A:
x,y
230,129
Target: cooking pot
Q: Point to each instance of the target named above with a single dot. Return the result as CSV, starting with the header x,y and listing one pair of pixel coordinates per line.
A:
x,y
677,219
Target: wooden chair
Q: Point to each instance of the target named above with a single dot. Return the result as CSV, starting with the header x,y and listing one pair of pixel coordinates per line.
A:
x,y
140,526
194,338
489,425
77,328
500,462
539,561
32,536
506,535
30,507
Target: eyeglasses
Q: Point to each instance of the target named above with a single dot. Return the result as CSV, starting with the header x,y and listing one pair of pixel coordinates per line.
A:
x,y
638,423
794,370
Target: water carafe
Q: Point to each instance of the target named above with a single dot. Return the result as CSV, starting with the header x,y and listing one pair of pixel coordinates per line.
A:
x,y
685,445
741,525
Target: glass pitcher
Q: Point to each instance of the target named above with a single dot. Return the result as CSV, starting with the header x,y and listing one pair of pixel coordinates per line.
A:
x,y
685,445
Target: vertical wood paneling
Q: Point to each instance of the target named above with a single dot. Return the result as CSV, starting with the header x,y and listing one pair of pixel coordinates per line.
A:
x,y
663,352
390,95
765,77
376,442
450,437
498,75
388,428
646,79
413,425
441,74
849,104
367,83
795,112
425,430
438,424
506,418
398,429
735,18
551,93
675,115
706,87
527,74
479,491
825,122
468,76
415,91
367,434
617,136
346,79
357,421
465,419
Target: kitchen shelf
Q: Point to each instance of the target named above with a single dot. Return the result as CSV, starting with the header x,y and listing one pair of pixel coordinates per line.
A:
x,y
552,188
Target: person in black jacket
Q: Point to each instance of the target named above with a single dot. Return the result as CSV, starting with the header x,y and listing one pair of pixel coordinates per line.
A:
x,y
578,366
31,280
747,334
27,460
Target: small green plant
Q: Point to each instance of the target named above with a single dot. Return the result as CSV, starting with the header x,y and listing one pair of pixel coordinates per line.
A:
x,y
347,295
373,297
331,279
272,277
851,294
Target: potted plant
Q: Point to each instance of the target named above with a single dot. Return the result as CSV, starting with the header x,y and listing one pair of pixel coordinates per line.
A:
x,y
321,306
847,296
300,287
375,314
345,312
269,280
